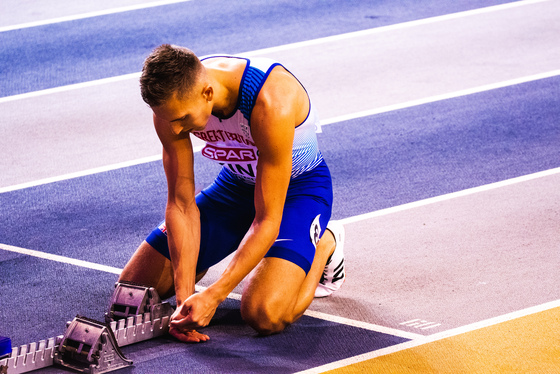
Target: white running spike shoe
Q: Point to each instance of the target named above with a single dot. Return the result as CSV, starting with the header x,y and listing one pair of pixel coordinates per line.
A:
x,y
334,273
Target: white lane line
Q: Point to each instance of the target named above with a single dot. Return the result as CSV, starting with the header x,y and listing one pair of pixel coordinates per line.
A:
x,y
344,321
62,259
167,2
364,325
90,14
82,173
285,47
450,95
435,337
235,296
449,196
70,87
329,121
397,26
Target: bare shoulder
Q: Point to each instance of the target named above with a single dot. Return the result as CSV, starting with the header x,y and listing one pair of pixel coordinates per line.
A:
x,y
227,64
281,80
283,95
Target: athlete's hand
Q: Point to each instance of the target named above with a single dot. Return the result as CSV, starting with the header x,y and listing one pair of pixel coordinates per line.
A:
x,y
188,336
195,312
181,322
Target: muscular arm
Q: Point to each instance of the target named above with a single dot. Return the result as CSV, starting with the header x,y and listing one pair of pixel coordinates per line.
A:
x,y
272,125
181,215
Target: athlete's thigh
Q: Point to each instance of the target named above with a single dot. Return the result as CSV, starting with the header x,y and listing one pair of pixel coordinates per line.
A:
x,y
149,267
274,286
307,211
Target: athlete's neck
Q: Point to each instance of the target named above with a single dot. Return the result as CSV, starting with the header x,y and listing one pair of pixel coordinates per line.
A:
x,y
226,90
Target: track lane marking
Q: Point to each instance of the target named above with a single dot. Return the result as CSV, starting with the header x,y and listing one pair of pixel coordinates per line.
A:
x,y
82,173
446,96
234,296
363,325
285,47
435,337
70,87
92,14
362,32
449,196
397,26
62,259
330,121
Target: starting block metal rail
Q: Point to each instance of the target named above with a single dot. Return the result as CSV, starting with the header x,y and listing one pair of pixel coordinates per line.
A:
x,y
90,346
31,356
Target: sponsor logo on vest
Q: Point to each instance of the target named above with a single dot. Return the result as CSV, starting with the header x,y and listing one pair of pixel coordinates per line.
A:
x,y
222,154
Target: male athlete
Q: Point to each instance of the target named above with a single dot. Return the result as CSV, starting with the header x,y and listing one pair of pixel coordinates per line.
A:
x,y
270,204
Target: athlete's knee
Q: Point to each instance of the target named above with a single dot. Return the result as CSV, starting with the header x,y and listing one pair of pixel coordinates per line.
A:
x,y
263,316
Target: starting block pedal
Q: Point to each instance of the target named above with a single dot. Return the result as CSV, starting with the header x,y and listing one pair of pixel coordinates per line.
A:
x,y
90,347
137,313
130,299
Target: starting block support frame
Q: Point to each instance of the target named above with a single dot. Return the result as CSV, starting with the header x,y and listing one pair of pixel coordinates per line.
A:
x,y
126,331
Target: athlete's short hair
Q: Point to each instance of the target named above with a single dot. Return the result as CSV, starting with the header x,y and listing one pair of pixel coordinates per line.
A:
x,y
166,70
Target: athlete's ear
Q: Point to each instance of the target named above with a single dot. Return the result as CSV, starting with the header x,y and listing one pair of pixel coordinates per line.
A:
x,y
208,93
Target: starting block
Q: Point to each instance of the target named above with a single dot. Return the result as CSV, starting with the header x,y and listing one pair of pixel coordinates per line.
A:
x,y
88,346
131,299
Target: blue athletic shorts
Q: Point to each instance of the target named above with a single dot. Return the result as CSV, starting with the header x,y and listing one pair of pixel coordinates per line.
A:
x,y
227,210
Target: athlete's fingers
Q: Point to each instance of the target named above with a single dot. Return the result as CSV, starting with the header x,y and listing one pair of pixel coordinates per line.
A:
x,y
182,313
188,336
195,312
184,323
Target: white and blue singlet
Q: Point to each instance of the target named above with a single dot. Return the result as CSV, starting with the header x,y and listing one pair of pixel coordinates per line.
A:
x,y
227,206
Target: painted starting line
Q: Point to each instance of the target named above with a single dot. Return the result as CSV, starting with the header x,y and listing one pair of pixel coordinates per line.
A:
x,y
235,296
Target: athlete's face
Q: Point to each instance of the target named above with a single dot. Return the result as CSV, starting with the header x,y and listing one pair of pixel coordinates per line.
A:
x,y
187,113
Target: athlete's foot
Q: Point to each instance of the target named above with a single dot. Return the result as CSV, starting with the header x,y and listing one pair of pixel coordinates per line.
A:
x,y
334,273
